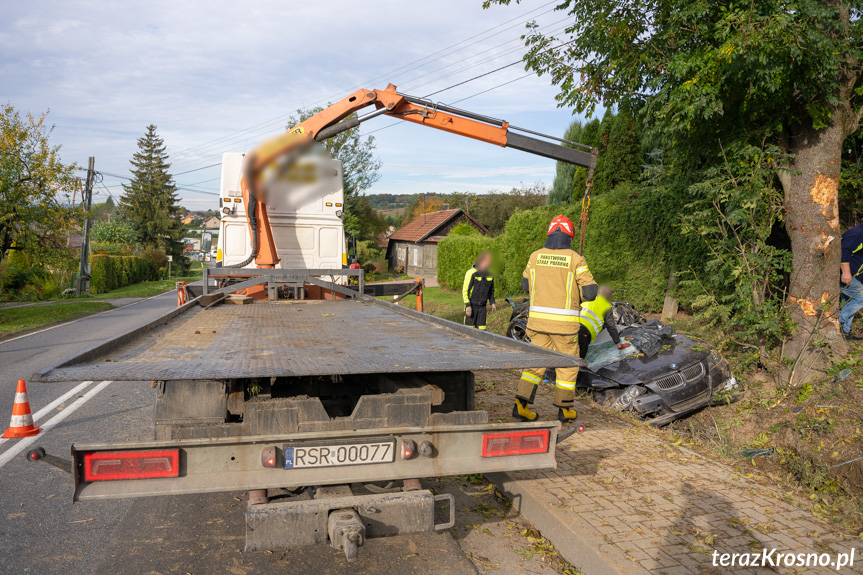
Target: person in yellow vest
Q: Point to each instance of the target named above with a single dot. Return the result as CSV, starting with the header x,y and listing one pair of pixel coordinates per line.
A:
x,y
478,291
594,316
558,281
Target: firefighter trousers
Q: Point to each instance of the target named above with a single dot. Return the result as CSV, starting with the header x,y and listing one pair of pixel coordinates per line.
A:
x,y
564,385
477,317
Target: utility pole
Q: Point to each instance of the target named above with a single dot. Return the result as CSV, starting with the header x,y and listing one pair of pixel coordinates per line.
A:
x,y
83,284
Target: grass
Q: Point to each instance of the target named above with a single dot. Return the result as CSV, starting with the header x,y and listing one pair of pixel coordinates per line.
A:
x,y
31,317
148,289
447,304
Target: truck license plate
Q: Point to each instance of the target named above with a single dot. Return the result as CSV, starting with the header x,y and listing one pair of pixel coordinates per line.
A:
x,y
297,457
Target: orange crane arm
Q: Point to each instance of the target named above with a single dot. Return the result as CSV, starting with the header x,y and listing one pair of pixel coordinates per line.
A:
x,y
332,121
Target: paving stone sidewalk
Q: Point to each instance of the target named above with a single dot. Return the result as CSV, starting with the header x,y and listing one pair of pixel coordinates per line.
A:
x,y
623,500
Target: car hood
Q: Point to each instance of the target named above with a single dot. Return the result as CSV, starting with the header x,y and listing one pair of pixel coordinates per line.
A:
x,y
630,366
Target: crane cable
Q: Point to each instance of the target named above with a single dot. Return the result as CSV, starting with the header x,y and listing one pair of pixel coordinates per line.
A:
x,y
585,201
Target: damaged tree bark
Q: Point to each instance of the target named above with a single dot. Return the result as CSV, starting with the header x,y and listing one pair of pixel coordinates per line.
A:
x,y
812,221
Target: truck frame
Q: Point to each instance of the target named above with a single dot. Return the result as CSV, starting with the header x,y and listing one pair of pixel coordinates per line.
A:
x,y
294,395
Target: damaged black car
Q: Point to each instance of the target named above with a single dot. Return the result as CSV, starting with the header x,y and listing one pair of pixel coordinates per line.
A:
x,y
662,376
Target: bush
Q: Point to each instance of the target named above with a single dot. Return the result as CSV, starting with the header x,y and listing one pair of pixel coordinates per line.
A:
x,y
157,260
111,272
456,254
368,252
114,231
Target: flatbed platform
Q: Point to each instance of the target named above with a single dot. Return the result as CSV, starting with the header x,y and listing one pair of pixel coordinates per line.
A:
x,y
297,338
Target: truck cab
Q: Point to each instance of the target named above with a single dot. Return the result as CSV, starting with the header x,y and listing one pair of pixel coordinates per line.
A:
x,y
305,214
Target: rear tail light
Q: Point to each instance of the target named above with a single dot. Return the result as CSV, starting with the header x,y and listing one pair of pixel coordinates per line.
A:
x,y
409,448
111,465
515,443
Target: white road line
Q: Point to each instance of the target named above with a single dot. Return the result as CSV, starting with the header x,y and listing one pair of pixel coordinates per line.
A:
x,y
23,444
81,318
51,406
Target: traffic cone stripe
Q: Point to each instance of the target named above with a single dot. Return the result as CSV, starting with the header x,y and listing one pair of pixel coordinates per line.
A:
x,y
21,420
21,424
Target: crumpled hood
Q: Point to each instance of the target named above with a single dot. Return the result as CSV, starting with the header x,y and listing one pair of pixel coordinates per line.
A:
x,y
629,366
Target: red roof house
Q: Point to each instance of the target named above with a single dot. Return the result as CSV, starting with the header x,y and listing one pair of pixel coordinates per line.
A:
x,y
413,247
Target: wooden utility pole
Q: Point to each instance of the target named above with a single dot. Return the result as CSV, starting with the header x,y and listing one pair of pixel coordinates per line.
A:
x,y
83,283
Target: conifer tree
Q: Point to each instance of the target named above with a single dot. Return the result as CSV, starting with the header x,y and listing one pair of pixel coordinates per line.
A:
x,y
150,202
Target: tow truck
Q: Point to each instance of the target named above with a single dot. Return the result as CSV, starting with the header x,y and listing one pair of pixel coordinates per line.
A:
x,y
325,404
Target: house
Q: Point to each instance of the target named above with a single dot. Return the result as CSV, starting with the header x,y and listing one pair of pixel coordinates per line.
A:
x,y
210,223
413,247
187,219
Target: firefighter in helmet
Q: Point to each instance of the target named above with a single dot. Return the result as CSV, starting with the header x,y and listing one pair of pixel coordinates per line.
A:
x,y
558,281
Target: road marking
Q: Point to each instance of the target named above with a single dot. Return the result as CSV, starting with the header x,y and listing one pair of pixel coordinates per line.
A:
x,y
82,318
51,406
19,447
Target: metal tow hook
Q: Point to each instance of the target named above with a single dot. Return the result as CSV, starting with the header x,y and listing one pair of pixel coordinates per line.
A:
x,y
346,531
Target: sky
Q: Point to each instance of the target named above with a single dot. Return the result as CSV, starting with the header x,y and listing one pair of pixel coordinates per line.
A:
x,y
218,77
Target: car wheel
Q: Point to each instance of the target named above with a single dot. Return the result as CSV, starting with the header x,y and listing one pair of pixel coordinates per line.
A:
x,y
517,330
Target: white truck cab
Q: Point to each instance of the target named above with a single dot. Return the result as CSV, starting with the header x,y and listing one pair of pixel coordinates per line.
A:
x,y
305,206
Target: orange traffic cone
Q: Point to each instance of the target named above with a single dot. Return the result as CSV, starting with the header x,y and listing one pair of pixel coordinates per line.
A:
x,y
22,420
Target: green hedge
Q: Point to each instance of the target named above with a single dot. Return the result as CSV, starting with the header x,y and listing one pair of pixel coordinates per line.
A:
x,y
456,254
111,272
632,243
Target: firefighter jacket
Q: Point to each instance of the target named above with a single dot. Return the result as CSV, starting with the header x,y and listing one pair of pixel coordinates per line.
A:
x,y
596,314
556,278
478,287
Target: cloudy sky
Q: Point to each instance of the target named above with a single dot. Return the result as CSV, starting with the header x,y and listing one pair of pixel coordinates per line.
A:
x,y
219,76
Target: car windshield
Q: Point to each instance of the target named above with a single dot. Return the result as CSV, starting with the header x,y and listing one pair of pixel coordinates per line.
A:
x,y
601,354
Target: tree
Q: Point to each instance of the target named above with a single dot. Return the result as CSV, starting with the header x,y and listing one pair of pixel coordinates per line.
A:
x,y
150,204
493,210
364,222
564,177
705,74
35,188
359,166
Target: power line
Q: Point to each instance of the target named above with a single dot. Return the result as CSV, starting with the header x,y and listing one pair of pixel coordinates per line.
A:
x,y
186,151
198,169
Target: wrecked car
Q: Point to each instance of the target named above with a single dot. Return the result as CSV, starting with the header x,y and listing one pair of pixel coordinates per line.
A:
x,y
682,375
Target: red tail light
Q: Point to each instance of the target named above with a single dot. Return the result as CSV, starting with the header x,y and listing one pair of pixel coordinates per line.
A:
x,y
110,465
515,443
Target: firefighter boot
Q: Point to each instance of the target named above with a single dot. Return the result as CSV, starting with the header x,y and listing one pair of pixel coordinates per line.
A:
x,y
522,411
564,414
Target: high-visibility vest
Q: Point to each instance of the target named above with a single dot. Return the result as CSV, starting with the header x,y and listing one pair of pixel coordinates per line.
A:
x,y
555,277
593,315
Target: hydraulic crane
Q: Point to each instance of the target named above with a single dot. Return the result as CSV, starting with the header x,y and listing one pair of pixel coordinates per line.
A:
x,y
279,152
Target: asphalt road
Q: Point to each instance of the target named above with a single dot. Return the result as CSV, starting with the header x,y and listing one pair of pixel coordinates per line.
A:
x,y
42,532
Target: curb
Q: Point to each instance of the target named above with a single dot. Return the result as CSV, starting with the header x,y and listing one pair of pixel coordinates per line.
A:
x,y
576,543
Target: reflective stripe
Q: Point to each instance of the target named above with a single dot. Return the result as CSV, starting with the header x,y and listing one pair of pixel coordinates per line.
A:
x,y
481,327
532,282
530,377
581,270
564,384
555,317
569,290
554,310
21,398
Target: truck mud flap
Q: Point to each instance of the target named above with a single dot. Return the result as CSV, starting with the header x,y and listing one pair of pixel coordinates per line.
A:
x,y
299,523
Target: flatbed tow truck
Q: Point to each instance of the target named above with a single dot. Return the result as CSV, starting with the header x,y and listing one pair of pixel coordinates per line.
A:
x,y
316,398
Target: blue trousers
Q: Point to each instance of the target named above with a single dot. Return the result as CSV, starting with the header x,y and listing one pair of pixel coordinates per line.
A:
x,y
851,299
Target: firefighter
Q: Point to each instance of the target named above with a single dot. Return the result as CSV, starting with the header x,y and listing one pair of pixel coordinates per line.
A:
x,y
558,281
594,316
477,291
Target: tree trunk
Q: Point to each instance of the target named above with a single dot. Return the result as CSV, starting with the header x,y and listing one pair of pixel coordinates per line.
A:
x,y
812,221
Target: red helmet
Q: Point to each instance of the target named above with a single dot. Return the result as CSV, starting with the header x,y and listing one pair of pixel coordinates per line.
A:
x,y
562,224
